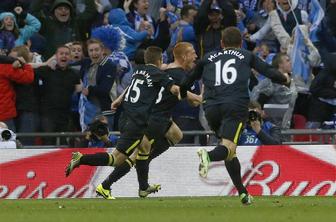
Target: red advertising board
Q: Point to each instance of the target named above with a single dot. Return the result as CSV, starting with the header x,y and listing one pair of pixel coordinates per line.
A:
x,y
271,170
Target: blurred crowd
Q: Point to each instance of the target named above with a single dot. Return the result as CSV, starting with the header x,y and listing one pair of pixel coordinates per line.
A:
x,y
63,62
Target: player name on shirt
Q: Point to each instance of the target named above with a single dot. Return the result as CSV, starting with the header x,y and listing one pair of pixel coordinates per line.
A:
x,y
146,75
226,52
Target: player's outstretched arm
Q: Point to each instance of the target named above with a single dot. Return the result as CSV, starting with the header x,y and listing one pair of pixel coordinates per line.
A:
x,y
270,72
195,75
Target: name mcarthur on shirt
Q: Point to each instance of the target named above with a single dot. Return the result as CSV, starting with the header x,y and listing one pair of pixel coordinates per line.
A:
x,y
226,52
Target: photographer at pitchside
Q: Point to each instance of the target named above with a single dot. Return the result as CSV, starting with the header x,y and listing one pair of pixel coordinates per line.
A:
x,y
98,135
259,131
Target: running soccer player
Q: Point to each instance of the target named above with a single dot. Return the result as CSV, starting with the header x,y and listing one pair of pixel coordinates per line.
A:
x,y
161,130
225,75
138,101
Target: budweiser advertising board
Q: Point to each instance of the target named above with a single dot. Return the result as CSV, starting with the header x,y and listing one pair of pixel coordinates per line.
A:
x,y
267,170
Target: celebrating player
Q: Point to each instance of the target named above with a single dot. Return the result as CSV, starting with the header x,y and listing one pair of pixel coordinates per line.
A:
x,y
225,75
139,98
161,129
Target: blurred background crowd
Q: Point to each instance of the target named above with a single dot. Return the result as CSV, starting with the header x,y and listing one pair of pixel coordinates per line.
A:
x,y
83,53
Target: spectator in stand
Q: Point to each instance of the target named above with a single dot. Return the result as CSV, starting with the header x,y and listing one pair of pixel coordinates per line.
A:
x,y
137,15
323,89
76,56
258,20
56,87
213,16
77,51
140,20
117,18
114,42
263,52
259,131
184,32
267,92
287,43
61,26
286,16
18,72
258,17
26,120
98,75
10,33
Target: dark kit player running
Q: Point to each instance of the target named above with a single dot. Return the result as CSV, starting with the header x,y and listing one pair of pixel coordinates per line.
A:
x,y
161,130
225,75
138,101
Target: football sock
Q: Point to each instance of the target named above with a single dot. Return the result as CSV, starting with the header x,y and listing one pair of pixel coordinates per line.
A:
x,y
142,168
233,168
97,159
160,146
219,153
118,173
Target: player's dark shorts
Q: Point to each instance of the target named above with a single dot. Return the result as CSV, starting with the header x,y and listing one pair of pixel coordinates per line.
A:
x,y
158,126
131,135
227,121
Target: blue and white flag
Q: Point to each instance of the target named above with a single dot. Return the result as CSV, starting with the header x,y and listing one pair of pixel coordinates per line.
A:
x,y
300,52
315,17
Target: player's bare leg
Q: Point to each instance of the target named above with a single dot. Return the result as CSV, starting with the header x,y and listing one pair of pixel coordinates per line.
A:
x,y
174,134
226,151
142,162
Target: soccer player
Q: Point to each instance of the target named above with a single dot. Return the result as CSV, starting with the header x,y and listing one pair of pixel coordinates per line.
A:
x,y
139,98
225,75
161,129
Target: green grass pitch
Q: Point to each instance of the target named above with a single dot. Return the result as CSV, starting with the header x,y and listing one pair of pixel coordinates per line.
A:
x,y
205,209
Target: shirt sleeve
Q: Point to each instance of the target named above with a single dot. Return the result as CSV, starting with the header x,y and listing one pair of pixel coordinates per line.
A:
x,y
195,75
267,70
262,32
163,79
274,138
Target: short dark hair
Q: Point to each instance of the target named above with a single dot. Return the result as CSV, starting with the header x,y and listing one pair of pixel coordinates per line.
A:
x,y
185,10
153,54
231,37
139,56
277,60
63,46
